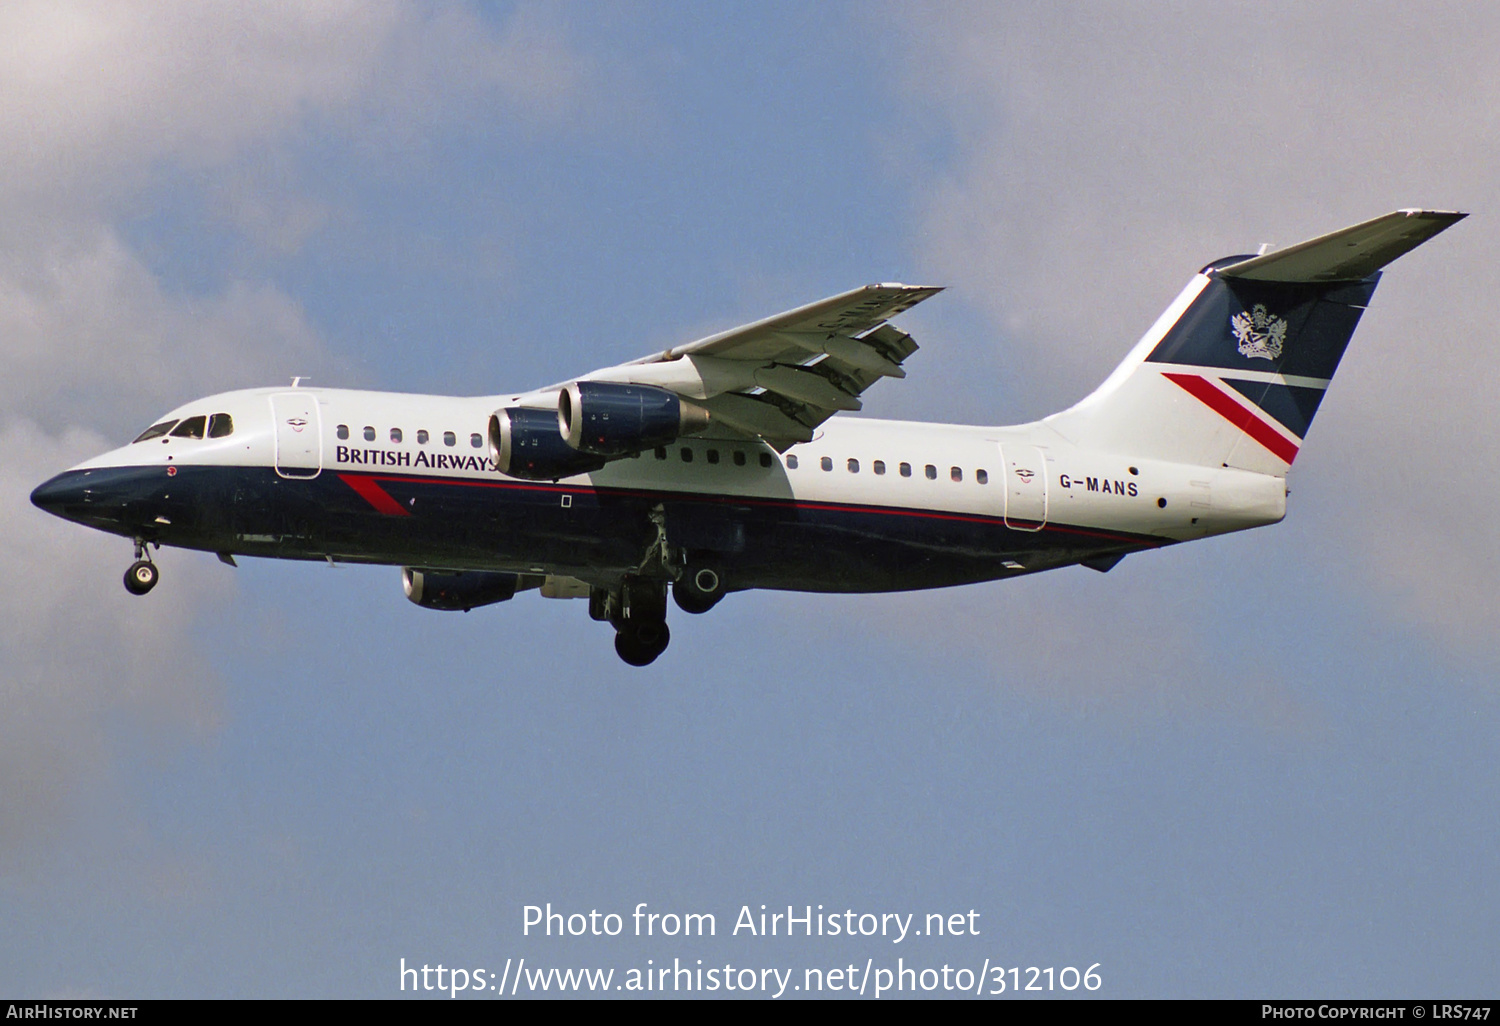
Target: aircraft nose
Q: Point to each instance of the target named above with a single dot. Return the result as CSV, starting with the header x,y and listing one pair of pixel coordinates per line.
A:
x,y
60,493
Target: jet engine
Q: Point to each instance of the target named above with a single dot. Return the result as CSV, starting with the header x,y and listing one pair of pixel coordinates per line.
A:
x,y
614,420
457,589
526,443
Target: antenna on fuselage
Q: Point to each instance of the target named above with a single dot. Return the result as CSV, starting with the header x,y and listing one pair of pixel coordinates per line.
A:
x,y
297,381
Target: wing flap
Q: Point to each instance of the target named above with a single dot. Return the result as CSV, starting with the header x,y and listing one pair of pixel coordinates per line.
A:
x,y
806,386
758,416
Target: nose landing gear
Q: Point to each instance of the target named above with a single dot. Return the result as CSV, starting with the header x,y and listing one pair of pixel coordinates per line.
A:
x,y
142,575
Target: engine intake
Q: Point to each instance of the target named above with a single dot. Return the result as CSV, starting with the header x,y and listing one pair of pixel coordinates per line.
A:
x,y
452,590
614,420
526,443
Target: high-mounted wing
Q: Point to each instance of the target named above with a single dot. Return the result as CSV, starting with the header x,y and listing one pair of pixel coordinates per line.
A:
x,y
779,378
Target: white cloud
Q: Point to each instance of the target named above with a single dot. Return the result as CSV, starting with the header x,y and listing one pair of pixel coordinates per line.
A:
x,y
101,99
99,94
88,333
1105,153
103,105
1147,643
77,653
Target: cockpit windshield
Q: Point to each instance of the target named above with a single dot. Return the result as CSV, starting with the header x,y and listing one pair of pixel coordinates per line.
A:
x,y
218,426
190,428
155,431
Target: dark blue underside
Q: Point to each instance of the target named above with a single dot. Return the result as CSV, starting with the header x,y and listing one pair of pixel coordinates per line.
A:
x,y
601,534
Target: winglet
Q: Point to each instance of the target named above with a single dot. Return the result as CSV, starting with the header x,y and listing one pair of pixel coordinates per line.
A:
x,y
1350,254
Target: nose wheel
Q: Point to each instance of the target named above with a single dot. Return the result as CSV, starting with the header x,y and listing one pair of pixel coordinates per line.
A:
x,y
141,577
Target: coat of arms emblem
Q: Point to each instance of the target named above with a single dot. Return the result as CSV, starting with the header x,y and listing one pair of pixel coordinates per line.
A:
x,y
1259,332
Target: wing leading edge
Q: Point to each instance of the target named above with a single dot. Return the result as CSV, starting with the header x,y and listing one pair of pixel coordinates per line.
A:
x,y
779,378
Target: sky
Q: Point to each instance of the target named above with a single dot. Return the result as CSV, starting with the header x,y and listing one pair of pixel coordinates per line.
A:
x,y
1253,766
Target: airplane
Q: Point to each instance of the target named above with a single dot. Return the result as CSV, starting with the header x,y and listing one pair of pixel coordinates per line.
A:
x,y
720,465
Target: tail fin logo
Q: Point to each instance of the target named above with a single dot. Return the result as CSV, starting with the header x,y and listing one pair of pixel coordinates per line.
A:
x,y
1259,332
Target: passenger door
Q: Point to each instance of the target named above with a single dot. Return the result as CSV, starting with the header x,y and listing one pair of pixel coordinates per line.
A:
x,y
1025,487
299,435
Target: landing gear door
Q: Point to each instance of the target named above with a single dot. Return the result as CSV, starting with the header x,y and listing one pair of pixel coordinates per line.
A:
x,y
1025,487
299,434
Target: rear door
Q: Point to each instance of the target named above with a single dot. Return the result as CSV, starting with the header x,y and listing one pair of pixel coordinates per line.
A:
x,y
1025,487
299,447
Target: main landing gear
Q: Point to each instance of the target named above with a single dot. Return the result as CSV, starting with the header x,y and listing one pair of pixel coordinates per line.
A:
x,y
698,589
638,607
640,642
142,575
638,613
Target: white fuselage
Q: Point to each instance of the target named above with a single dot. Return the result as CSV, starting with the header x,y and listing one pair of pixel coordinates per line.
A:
x,y
851,462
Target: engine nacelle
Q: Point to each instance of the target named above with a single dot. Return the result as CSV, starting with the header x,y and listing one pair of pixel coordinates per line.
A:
x,y
614,420
526,443
457,589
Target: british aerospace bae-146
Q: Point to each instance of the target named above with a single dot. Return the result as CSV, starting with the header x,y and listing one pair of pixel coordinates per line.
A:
x,y
719,466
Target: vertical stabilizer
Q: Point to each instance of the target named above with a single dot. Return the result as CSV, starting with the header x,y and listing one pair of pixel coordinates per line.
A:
x,y
1233,372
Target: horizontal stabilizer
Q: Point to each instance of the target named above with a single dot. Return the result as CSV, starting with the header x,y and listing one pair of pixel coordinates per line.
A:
x,y
1350,254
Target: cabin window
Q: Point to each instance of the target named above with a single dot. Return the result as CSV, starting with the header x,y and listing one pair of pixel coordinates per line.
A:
x,y
449,438
661,452
342,431
878,466
791,462
853,465
713,455
982,476
422,436
396,435
765,459
369,433
476,440
906,470
687,455
739,458
155,431
190,428
931,472
956,473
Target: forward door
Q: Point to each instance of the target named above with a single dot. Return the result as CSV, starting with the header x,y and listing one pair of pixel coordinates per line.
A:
x,y
299,446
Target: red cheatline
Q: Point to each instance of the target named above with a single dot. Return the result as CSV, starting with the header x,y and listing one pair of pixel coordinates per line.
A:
x,y
1239,416
375,495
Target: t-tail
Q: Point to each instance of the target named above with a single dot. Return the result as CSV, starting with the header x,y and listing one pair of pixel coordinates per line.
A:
x,y
1233,372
